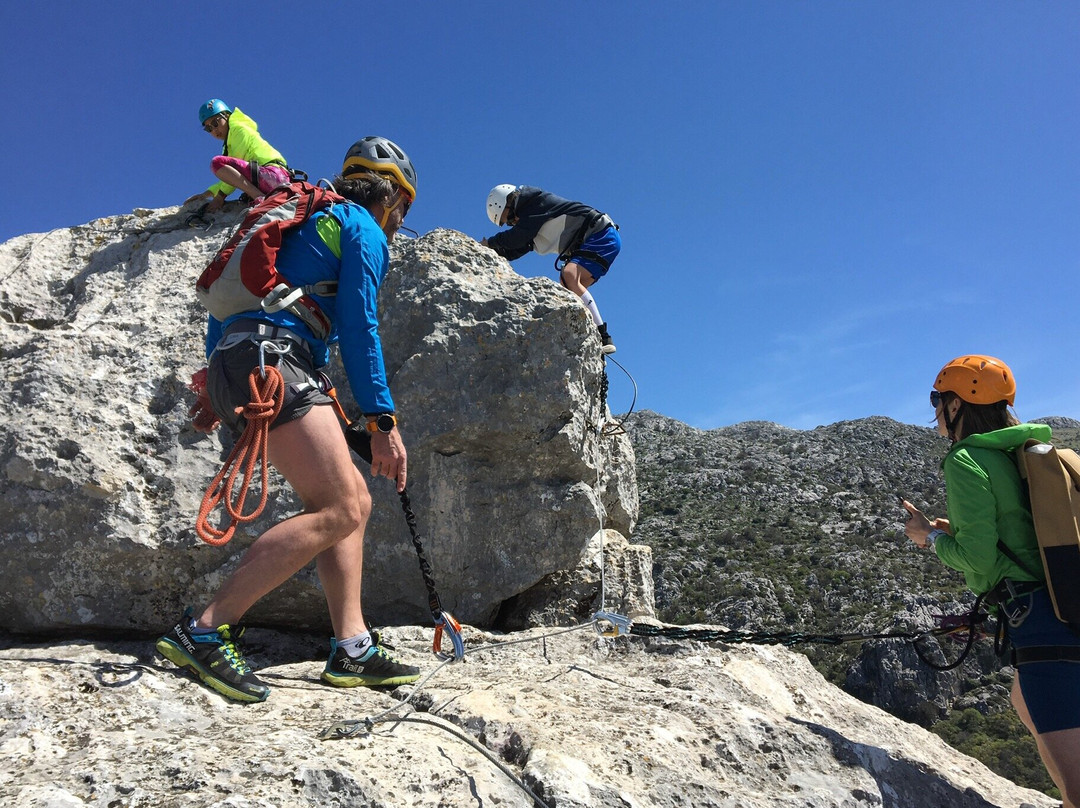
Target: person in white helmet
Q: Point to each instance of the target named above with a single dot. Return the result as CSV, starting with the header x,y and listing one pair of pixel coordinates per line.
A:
x,y
586,240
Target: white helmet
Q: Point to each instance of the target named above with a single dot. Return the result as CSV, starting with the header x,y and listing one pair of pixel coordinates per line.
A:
x,y
496,203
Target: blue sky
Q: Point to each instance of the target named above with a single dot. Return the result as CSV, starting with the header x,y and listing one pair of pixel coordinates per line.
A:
x,y
820,202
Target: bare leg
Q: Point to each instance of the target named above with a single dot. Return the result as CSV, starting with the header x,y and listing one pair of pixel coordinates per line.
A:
x,y
1060,751
312,455
230,175
341,572
575,278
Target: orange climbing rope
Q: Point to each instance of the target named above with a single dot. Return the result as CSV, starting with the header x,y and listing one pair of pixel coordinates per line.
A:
x,y
267,395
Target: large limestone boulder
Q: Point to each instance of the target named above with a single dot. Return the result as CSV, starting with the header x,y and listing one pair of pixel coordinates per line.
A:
x,y
497,379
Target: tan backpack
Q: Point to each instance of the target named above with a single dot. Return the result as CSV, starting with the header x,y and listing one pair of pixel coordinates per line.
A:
x,y
1053,482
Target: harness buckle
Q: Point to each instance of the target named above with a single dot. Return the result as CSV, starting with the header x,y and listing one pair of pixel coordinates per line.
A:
x,y
609,624
452,627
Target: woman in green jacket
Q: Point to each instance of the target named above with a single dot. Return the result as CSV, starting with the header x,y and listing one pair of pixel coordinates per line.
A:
x,y
989,536
247,161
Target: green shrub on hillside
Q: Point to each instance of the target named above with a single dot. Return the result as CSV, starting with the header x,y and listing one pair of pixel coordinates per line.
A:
x,y
1001,742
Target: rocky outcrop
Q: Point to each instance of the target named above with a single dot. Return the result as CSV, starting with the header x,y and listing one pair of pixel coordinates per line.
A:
x,y
497,381
582,722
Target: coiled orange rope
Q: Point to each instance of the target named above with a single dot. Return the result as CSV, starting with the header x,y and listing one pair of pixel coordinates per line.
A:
x,y
267,396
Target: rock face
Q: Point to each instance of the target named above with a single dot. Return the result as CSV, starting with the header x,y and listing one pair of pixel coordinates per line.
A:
x,y
497,382
581,721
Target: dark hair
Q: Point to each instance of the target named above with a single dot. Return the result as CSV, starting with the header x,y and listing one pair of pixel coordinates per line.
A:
x,y
979,418
366,188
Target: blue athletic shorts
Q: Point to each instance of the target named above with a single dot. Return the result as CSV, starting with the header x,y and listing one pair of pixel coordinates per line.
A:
x,y
1051,689
606,244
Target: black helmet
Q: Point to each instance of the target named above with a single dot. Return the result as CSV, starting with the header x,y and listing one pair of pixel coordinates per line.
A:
x,y
383,157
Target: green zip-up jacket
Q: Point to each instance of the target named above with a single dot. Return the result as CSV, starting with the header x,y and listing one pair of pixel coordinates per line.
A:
x,y
986,502
245,143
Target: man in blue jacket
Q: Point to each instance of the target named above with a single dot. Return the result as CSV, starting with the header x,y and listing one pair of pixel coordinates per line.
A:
x,y
346,243
585,240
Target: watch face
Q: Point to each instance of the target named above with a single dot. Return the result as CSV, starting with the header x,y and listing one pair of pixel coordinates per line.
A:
x,y
385,423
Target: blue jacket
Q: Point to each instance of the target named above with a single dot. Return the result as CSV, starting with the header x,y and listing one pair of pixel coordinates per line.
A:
x,y
547,224
344,244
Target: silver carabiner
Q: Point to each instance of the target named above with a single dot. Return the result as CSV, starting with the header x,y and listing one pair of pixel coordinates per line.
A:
x,y
617,624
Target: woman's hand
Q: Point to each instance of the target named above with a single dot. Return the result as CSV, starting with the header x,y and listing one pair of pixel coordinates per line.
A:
x,y
197,197
918,527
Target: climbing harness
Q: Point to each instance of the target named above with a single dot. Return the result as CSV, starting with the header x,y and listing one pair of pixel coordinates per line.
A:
x,y
267,395
580,237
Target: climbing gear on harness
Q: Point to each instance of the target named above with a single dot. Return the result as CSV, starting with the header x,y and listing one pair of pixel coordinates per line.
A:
x,y
381,156
243,276
359,440
977,379
267,396
496,202
1007,589
1052,477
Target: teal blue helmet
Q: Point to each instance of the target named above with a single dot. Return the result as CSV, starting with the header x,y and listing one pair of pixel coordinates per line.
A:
x,y
212,108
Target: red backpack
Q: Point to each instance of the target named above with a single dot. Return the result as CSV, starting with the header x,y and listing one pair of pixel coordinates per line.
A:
x,y
243,275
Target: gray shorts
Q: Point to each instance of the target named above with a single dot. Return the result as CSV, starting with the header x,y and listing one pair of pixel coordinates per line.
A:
x,y
227,381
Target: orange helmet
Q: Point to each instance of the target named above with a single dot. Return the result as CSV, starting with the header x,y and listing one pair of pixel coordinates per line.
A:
x,y
977,379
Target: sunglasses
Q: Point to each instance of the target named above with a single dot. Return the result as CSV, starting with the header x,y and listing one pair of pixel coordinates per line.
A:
x,y
935,399
404,200
212,123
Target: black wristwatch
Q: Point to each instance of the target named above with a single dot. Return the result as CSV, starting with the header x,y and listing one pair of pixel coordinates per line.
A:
x,y
382,422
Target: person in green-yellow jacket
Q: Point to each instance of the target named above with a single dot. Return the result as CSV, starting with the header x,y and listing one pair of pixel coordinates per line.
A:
x,y
247,161
990,537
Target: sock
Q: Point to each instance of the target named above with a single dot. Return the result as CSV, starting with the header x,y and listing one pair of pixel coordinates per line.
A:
x,y
356,646
590,304
194,629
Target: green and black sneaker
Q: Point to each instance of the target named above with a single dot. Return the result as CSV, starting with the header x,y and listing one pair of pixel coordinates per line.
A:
x,y
373,668
215,657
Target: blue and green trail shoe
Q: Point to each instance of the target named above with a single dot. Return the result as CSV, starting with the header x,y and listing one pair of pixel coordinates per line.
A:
x,y
373,668
215,657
